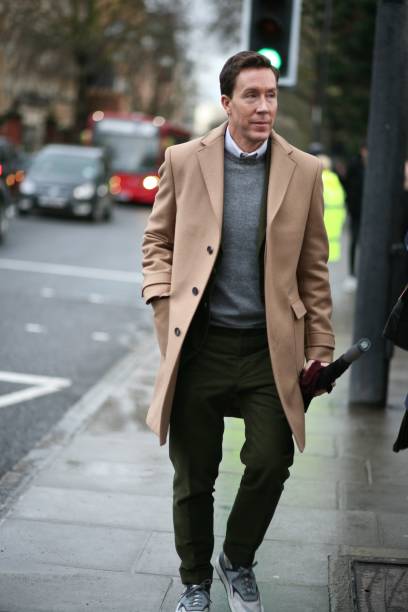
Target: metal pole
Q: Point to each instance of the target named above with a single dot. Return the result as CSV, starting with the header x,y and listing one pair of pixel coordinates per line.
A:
x,y
381,197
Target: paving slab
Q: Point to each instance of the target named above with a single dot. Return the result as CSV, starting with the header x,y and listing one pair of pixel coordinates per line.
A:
x,y
95,508
324,526
129,447
393,529
32,543
55,589
377,497
107,476
330,469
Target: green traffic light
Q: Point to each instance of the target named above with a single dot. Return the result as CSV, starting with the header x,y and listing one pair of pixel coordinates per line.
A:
x,y
273,56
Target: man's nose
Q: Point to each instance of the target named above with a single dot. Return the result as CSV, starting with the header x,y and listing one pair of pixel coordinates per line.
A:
x,y
262,106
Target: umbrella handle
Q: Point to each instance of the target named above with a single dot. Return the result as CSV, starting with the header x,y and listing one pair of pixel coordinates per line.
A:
x,y
331,372
355,351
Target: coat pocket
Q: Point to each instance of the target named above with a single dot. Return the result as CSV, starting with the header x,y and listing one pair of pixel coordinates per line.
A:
x,y
299,312
161,322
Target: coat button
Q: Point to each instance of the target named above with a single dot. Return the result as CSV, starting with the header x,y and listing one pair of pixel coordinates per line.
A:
x,y
177,331
195,291
210,250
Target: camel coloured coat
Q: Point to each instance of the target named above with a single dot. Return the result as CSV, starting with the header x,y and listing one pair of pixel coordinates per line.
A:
x,y
180,247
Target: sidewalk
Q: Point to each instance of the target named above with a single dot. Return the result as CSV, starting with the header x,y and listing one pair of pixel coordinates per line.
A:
x,y
89,523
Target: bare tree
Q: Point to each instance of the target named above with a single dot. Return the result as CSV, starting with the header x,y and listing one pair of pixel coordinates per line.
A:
x,y
87,41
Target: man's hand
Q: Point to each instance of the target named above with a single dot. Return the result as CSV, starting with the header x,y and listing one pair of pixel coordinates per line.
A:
x,y
324,364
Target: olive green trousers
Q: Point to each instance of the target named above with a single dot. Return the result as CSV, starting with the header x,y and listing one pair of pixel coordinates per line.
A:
x,y
231,372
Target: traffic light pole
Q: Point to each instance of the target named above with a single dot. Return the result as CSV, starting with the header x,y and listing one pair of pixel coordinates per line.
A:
x,y
381,197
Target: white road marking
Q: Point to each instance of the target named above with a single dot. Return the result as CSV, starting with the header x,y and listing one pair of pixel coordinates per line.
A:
x,y
100,337
40,385
76,271
47,292
35,328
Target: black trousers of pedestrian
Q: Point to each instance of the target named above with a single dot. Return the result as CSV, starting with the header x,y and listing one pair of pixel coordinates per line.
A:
x,y
354,238
231,371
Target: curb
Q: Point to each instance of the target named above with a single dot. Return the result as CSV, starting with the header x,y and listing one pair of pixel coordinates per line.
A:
x,y
16,481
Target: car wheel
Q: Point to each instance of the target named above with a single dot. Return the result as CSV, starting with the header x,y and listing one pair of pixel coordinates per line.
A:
x,y
108,213
96,214
22,213
3,224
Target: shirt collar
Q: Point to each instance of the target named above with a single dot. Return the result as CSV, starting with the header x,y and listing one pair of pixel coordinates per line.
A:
x,y
232,147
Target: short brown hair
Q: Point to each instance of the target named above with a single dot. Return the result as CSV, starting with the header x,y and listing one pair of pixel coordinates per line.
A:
x,y
236,63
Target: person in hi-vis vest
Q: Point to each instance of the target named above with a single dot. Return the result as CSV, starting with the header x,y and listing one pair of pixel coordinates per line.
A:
x,y
334,207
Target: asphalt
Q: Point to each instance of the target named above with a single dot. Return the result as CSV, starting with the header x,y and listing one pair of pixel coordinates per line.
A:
x,y
87,522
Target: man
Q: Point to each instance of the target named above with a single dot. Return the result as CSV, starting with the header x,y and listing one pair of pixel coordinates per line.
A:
x,y
334,207
354,183
235,266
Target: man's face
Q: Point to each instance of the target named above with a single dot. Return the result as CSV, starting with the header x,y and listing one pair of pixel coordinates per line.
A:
x,y
252,108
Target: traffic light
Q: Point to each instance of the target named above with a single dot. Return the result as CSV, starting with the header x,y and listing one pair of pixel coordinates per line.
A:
x,y
272,28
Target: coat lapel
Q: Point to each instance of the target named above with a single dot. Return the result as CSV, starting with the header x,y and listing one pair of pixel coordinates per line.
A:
x,y
211,159
281,170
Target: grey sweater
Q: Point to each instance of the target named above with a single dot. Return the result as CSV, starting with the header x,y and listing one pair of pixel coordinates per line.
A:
x,y
236,300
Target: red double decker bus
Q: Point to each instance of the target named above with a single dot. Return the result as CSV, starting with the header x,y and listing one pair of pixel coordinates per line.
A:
x,y
136,145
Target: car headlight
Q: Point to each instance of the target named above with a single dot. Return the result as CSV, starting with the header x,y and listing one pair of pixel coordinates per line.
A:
x,y
150,182
27,187
84,192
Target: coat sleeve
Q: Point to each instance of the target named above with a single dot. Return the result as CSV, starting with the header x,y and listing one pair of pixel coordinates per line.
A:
x,y
313,279
158,238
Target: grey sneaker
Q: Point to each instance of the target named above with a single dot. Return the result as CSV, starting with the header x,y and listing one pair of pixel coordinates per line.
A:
x,y
196,598
240,584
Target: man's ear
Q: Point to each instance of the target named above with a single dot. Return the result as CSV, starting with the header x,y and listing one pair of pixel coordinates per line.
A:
x,y
226,103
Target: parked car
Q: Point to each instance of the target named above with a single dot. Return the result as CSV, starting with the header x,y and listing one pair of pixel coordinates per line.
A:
x,y
68,178
6,209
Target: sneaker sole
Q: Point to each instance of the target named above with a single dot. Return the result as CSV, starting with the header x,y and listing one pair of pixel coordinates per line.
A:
x,y
225,583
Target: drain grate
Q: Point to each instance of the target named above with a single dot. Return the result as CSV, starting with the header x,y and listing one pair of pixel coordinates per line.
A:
x,y
380,585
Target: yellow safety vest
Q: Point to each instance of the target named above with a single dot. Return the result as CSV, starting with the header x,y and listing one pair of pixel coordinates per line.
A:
x,y
334,211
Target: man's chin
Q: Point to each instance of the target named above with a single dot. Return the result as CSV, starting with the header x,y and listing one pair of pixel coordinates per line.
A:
x,y
259,135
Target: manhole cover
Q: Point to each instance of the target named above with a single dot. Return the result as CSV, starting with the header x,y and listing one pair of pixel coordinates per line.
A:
x,y
380,585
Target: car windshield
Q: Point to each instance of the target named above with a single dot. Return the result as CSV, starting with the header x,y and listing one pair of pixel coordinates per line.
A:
x,y
65,167
133,147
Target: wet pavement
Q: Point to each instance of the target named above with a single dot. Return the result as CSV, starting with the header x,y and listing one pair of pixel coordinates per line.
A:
x,y
87,524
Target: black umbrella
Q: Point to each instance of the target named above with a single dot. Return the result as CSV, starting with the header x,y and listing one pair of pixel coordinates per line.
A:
x,y
402,440
321,378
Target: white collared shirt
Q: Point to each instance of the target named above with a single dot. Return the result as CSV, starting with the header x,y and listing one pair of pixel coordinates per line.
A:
x,y
232,147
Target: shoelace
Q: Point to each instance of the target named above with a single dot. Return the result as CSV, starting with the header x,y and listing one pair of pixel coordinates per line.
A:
x,y
246,575
195,595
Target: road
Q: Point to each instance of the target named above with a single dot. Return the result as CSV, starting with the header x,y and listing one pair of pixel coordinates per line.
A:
x,y
70,309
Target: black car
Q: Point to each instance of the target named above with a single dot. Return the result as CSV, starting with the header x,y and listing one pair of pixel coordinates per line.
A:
x,y
68,178
5,209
